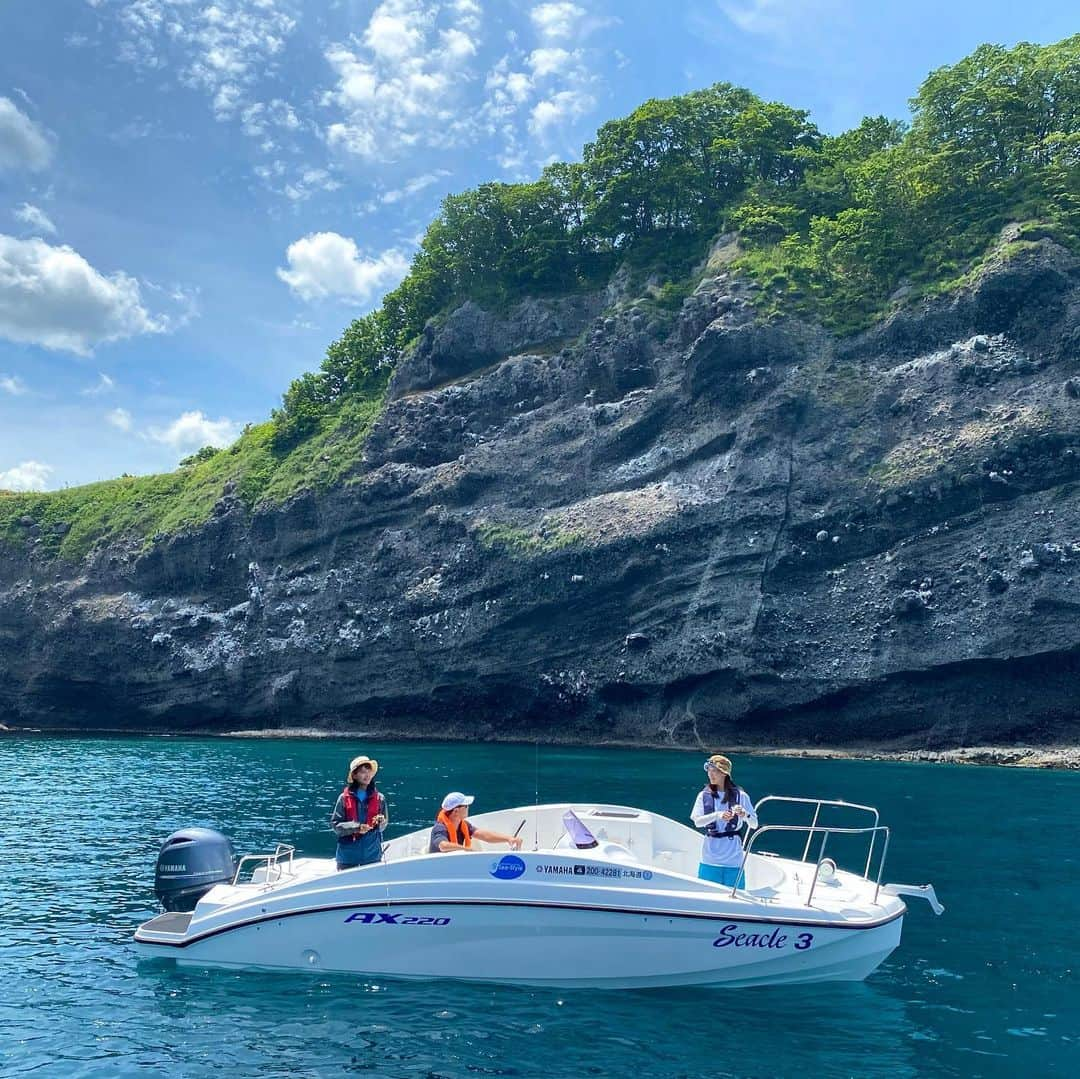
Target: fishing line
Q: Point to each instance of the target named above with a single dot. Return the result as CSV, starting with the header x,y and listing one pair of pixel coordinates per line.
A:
x,y
536,798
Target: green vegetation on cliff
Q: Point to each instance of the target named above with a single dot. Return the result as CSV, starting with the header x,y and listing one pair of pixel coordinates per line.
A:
x,y
832,226
253,469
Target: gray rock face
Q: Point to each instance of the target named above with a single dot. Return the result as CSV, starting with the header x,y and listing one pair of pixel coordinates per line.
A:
x,y
592,519
470,339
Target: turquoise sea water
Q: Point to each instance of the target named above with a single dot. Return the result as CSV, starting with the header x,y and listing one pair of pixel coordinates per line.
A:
x,y
988,989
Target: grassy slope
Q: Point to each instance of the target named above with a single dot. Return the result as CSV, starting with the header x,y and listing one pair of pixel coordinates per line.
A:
x,y
786,292
140,507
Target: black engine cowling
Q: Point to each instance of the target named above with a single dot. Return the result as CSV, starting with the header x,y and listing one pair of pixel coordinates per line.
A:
x,y
189,864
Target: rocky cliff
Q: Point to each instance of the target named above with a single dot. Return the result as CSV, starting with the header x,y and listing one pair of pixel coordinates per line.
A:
x,y
596,519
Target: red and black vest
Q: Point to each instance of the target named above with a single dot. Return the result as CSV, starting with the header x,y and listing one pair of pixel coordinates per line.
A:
x,y
352,809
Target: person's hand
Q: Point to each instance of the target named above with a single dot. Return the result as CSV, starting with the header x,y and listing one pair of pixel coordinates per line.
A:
x,y
740,811
515,842
379,820
364,829
726,815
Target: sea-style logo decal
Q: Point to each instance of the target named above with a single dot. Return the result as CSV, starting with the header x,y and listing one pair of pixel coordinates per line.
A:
x,y
508,867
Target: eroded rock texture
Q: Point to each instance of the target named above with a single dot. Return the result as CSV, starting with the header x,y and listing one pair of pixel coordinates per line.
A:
x,y
591,520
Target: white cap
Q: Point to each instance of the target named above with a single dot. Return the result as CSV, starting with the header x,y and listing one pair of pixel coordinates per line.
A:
x,y
455,799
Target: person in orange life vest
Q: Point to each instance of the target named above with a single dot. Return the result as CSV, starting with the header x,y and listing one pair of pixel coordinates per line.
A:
x,y
453,831
359,816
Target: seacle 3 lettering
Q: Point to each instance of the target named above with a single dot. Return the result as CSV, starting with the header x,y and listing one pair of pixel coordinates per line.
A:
x,y
369,917
730,937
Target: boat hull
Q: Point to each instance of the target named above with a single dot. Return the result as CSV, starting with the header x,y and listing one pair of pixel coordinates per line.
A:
x,y
545,945
624,911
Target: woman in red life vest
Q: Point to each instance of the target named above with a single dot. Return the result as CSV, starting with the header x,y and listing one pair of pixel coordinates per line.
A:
x,y
453,831
359,816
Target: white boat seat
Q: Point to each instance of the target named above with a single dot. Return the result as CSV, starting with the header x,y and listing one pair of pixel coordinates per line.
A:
x,y
616,852
763,874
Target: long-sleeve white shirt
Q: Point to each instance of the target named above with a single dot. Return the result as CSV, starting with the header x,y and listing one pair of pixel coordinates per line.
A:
x,y
721,851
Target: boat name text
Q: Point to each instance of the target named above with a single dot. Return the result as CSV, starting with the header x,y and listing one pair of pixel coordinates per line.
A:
x,y
731,938
369,917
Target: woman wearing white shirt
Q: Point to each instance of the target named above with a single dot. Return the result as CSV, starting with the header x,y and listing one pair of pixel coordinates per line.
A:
x,y
720,809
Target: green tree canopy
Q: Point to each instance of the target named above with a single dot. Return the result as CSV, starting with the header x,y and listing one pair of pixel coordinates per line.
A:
x,y
838,221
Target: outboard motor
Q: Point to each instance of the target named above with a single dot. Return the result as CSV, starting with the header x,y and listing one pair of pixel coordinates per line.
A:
x,y
189,864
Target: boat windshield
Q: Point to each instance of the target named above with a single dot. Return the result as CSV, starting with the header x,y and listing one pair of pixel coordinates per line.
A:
x,y
582,838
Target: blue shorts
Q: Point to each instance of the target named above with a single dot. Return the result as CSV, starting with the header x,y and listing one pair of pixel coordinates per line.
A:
x,y
720,874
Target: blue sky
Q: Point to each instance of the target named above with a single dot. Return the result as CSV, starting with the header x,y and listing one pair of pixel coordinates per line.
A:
x,y
196,196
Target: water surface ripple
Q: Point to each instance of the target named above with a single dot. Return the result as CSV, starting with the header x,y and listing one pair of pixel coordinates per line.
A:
x,y
989,989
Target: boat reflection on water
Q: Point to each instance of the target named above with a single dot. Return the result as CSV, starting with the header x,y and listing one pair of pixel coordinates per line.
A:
x,y
420,1028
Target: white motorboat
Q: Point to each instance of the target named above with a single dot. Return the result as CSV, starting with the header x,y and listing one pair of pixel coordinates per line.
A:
x,y
628,911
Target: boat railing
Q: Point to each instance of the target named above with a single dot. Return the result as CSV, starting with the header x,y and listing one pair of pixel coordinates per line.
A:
x,y
873,831
818,803
279,863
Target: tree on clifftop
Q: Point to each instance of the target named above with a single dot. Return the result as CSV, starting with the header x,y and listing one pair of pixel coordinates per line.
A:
x,y
830,224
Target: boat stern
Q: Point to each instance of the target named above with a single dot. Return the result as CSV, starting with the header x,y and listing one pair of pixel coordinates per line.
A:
x,y
163,933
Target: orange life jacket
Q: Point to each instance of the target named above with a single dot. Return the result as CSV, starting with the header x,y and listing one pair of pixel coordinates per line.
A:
x,y
452,830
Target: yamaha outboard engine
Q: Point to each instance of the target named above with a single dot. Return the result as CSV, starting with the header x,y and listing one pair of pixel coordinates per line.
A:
x,y
189,864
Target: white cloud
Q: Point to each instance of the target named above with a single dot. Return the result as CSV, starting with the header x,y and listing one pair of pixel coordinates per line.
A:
x,y
771,17
12,384
406,191
26,476
259,117
104,384
508,88
119,418
225,45
550,61
227,99
310,181
558,110
397,29
457,44
557,19
538,96
34,217
52,296
469,13
23,144
325,264
192,430
271,171
402,82
136,129
518,86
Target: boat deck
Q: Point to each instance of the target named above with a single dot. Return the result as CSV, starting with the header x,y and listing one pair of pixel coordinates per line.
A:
x,y
637,846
